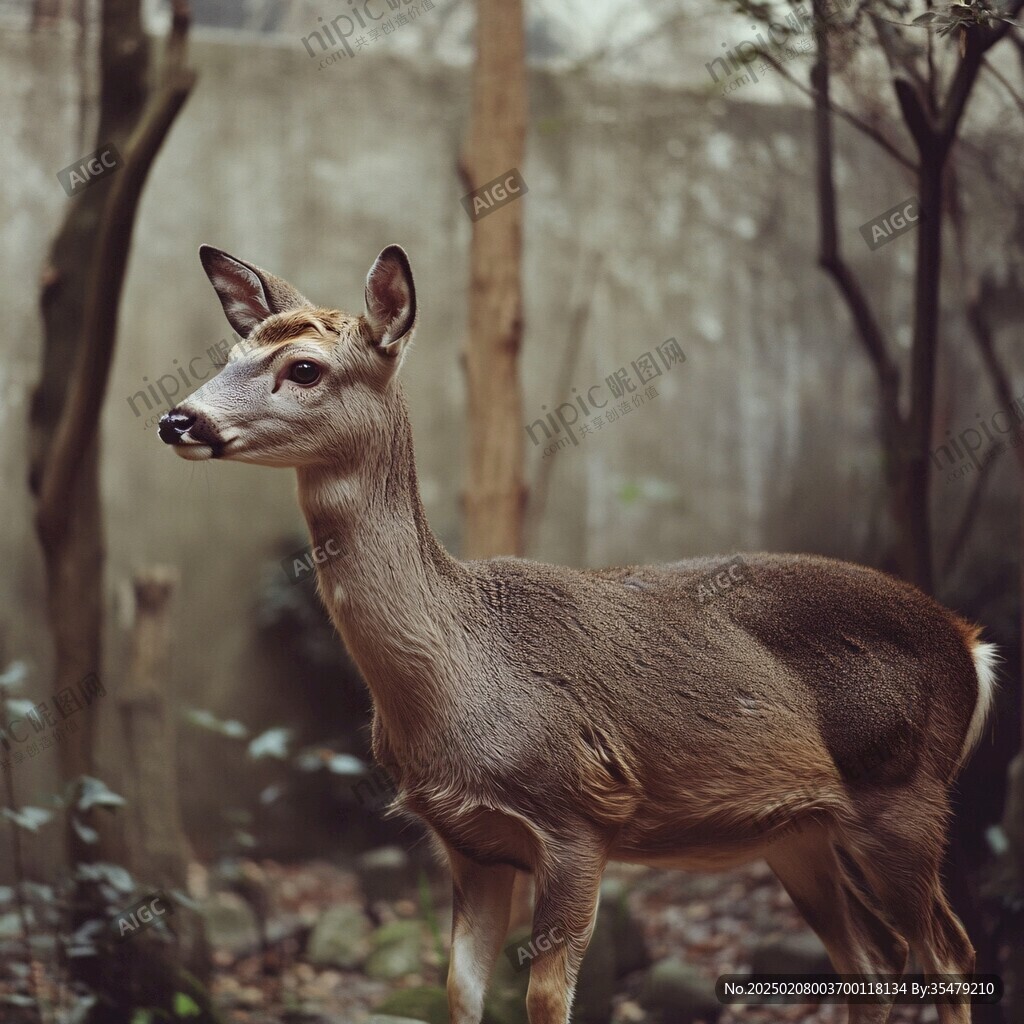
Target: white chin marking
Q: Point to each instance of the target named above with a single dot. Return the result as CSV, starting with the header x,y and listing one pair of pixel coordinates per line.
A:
x,y
194,452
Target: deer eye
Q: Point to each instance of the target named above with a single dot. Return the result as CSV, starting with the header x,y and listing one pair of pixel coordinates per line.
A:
x,y
304,373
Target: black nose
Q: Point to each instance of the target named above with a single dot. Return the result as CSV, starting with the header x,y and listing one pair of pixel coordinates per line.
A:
x,y
173,425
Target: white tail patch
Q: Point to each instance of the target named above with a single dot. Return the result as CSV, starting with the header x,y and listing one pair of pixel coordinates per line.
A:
x,y
985,657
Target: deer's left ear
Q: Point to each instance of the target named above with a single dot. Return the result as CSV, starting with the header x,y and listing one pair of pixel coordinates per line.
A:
x,y
248,294
391,300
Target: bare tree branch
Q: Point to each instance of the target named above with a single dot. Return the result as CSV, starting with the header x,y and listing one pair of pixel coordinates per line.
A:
x,y
847,115
901,61
918,120
1005,82
830,258
79,420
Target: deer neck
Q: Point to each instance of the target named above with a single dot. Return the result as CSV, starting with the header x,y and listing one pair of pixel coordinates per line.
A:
x,y
391,588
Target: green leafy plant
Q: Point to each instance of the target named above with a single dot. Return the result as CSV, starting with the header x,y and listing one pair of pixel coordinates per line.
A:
x,y
275,743
972,14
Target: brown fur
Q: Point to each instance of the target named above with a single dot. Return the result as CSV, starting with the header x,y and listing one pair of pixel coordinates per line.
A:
x,y
285,327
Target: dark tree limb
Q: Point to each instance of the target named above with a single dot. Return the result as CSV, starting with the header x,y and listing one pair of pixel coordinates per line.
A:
x,y
868,329
978,42
903,68
77,426
847,115
81,293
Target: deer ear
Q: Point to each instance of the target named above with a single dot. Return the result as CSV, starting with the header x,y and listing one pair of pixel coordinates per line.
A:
x,y
249,295
391,299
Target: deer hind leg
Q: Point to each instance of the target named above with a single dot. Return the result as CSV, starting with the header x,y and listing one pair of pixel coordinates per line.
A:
x,y
858,941
481,906
568,889
899,849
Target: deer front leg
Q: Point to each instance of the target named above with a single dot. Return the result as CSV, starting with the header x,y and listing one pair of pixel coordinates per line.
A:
x,y
568,889
482,900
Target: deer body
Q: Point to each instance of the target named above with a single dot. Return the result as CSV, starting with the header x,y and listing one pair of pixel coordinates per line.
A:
x,y
550,719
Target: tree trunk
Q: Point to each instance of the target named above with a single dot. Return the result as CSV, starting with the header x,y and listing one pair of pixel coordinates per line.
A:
x,y
494,501
74,555
495,496
158,848
157,853
81,293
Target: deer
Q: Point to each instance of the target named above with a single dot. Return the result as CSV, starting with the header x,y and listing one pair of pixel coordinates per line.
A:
x,y
545,719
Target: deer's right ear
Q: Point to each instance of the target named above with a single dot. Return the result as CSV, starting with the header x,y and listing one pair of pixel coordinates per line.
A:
x,y
391,299
248,294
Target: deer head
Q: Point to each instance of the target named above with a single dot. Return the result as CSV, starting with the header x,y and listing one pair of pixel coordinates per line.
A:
x,y
305,385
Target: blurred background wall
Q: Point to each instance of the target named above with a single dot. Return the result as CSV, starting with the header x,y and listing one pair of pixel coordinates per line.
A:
x,y
670,212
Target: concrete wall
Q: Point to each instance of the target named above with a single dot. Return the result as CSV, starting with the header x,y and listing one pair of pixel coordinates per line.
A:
x,y
662,213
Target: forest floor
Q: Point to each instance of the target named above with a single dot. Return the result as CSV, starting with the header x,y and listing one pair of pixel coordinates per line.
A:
x,y
710,921
713,923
